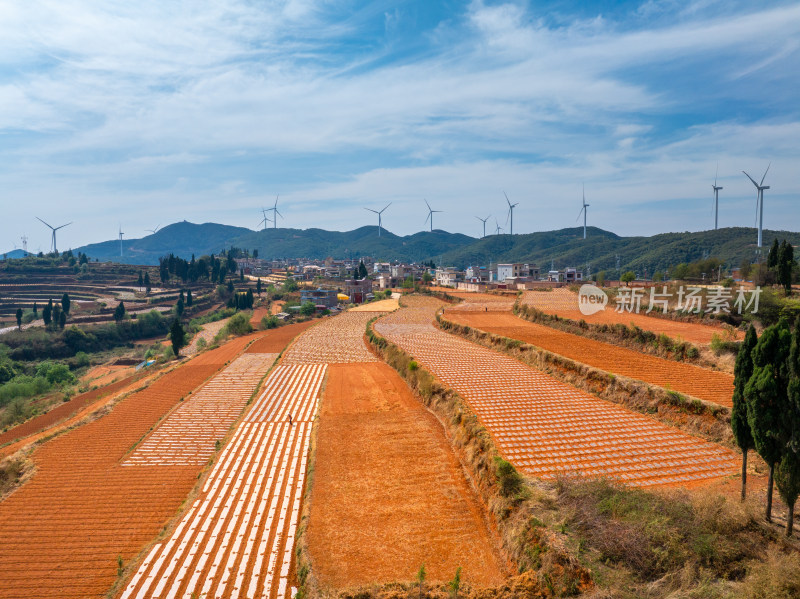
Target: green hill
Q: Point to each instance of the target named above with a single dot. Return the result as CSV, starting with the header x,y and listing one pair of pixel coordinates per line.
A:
x,y
600,249
565,247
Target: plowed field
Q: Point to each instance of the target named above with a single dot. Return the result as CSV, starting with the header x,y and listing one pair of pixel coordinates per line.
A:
x,y
685,378
60,533
478,302
237,538
388,492
545,426
563,302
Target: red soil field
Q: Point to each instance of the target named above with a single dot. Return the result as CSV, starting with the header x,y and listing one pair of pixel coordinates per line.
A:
x,y
258,314
388,492
61,532
546,427
564,303
274,340
692,380
64,410
237,537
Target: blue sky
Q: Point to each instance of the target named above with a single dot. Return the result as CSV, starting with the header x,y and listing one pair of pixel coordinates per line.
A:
x,y
145,113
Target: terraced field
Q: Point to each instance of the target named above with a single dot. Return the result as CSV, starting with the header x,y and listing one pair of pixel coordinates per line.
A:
x,y
545,426
563,302
237,537
692,380
188,435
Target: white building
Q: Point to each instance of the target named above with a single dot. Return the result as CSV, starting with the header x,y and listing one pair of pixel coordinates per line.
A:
x,y
517,270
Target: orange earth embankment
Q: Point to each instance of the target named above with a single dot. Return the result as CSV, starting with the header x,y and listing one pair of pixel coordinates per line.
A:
x,y
388,492
692,380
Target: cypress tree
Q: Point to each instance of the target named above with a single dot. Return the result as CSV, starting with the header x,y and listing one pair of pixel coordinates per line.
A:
x,y
119,312
62,319
47,312
19,318
785,263
787,474
35,309
741,427
767,398
141,281
772,257
250,299
258,286
65,303
177,336
189,299
147,286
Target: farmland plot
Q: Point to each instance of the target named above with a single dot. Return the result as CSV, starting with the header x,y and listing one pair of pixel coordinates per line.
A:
x,y
188,435
546,427
389,494
563,302
236,539
685,378
333,341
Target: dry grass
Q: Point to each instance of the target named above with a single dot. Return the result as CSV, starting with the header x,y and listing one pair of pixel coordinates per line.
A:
x,y
14,471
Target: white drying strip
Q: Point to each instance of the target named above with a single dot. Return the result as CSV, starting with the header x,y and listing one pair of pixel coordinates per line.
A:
x,y
238,536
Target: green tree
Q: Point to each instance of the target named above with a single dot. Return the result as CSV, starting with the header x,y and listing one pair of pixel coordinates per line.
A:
x,y
658,276
741,427
258,283
787,473
19,318
65,303
223,272
230,286
767,398
745,269
241,275
62,319
56,314
250,299
455,584
147,286
421,574
179,307
119,312
47,313
189,299
141,280
255,253
408,283
427,277
627,277
784,267
772,257
787,479
601,278
177,336
307,309
35,309
362,270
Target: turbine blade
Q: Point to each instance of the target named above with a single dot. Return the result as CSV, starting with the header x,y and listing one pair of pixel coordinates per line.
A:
x,y
507,200
765,175
41,221
716,172
387,205
427,204
751,178
371,210
429,215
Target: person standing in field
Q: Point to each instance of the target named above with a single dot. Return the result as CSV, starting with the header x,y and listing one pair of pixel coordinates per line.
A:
x,y
290,420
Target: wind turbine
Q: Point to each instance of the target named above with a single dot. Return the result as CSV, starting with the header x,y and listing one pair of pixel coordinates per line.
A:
x,y
24,239
53,246
120,240
430,214
483,220
275,213
510,211
153,231
759,200
583,209
264,220
379,212
716,189
498,228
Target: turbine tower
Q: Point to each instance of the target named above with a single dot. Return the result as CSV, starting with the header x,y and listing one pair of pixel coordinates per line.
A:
x,y
24,239
716,199
430,214
760,187
498,228
53,246
120,240
583,209
379,213
483,220
510,212
275,213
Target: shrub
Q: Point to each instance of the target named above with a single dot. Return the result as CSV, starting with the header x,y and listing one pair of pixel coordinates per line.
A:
x,y
239,324
508,478
269,322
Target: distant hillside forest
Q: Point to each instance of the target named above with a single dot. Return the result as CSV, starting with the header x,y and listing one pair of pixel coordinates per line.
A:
x,y
600,251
